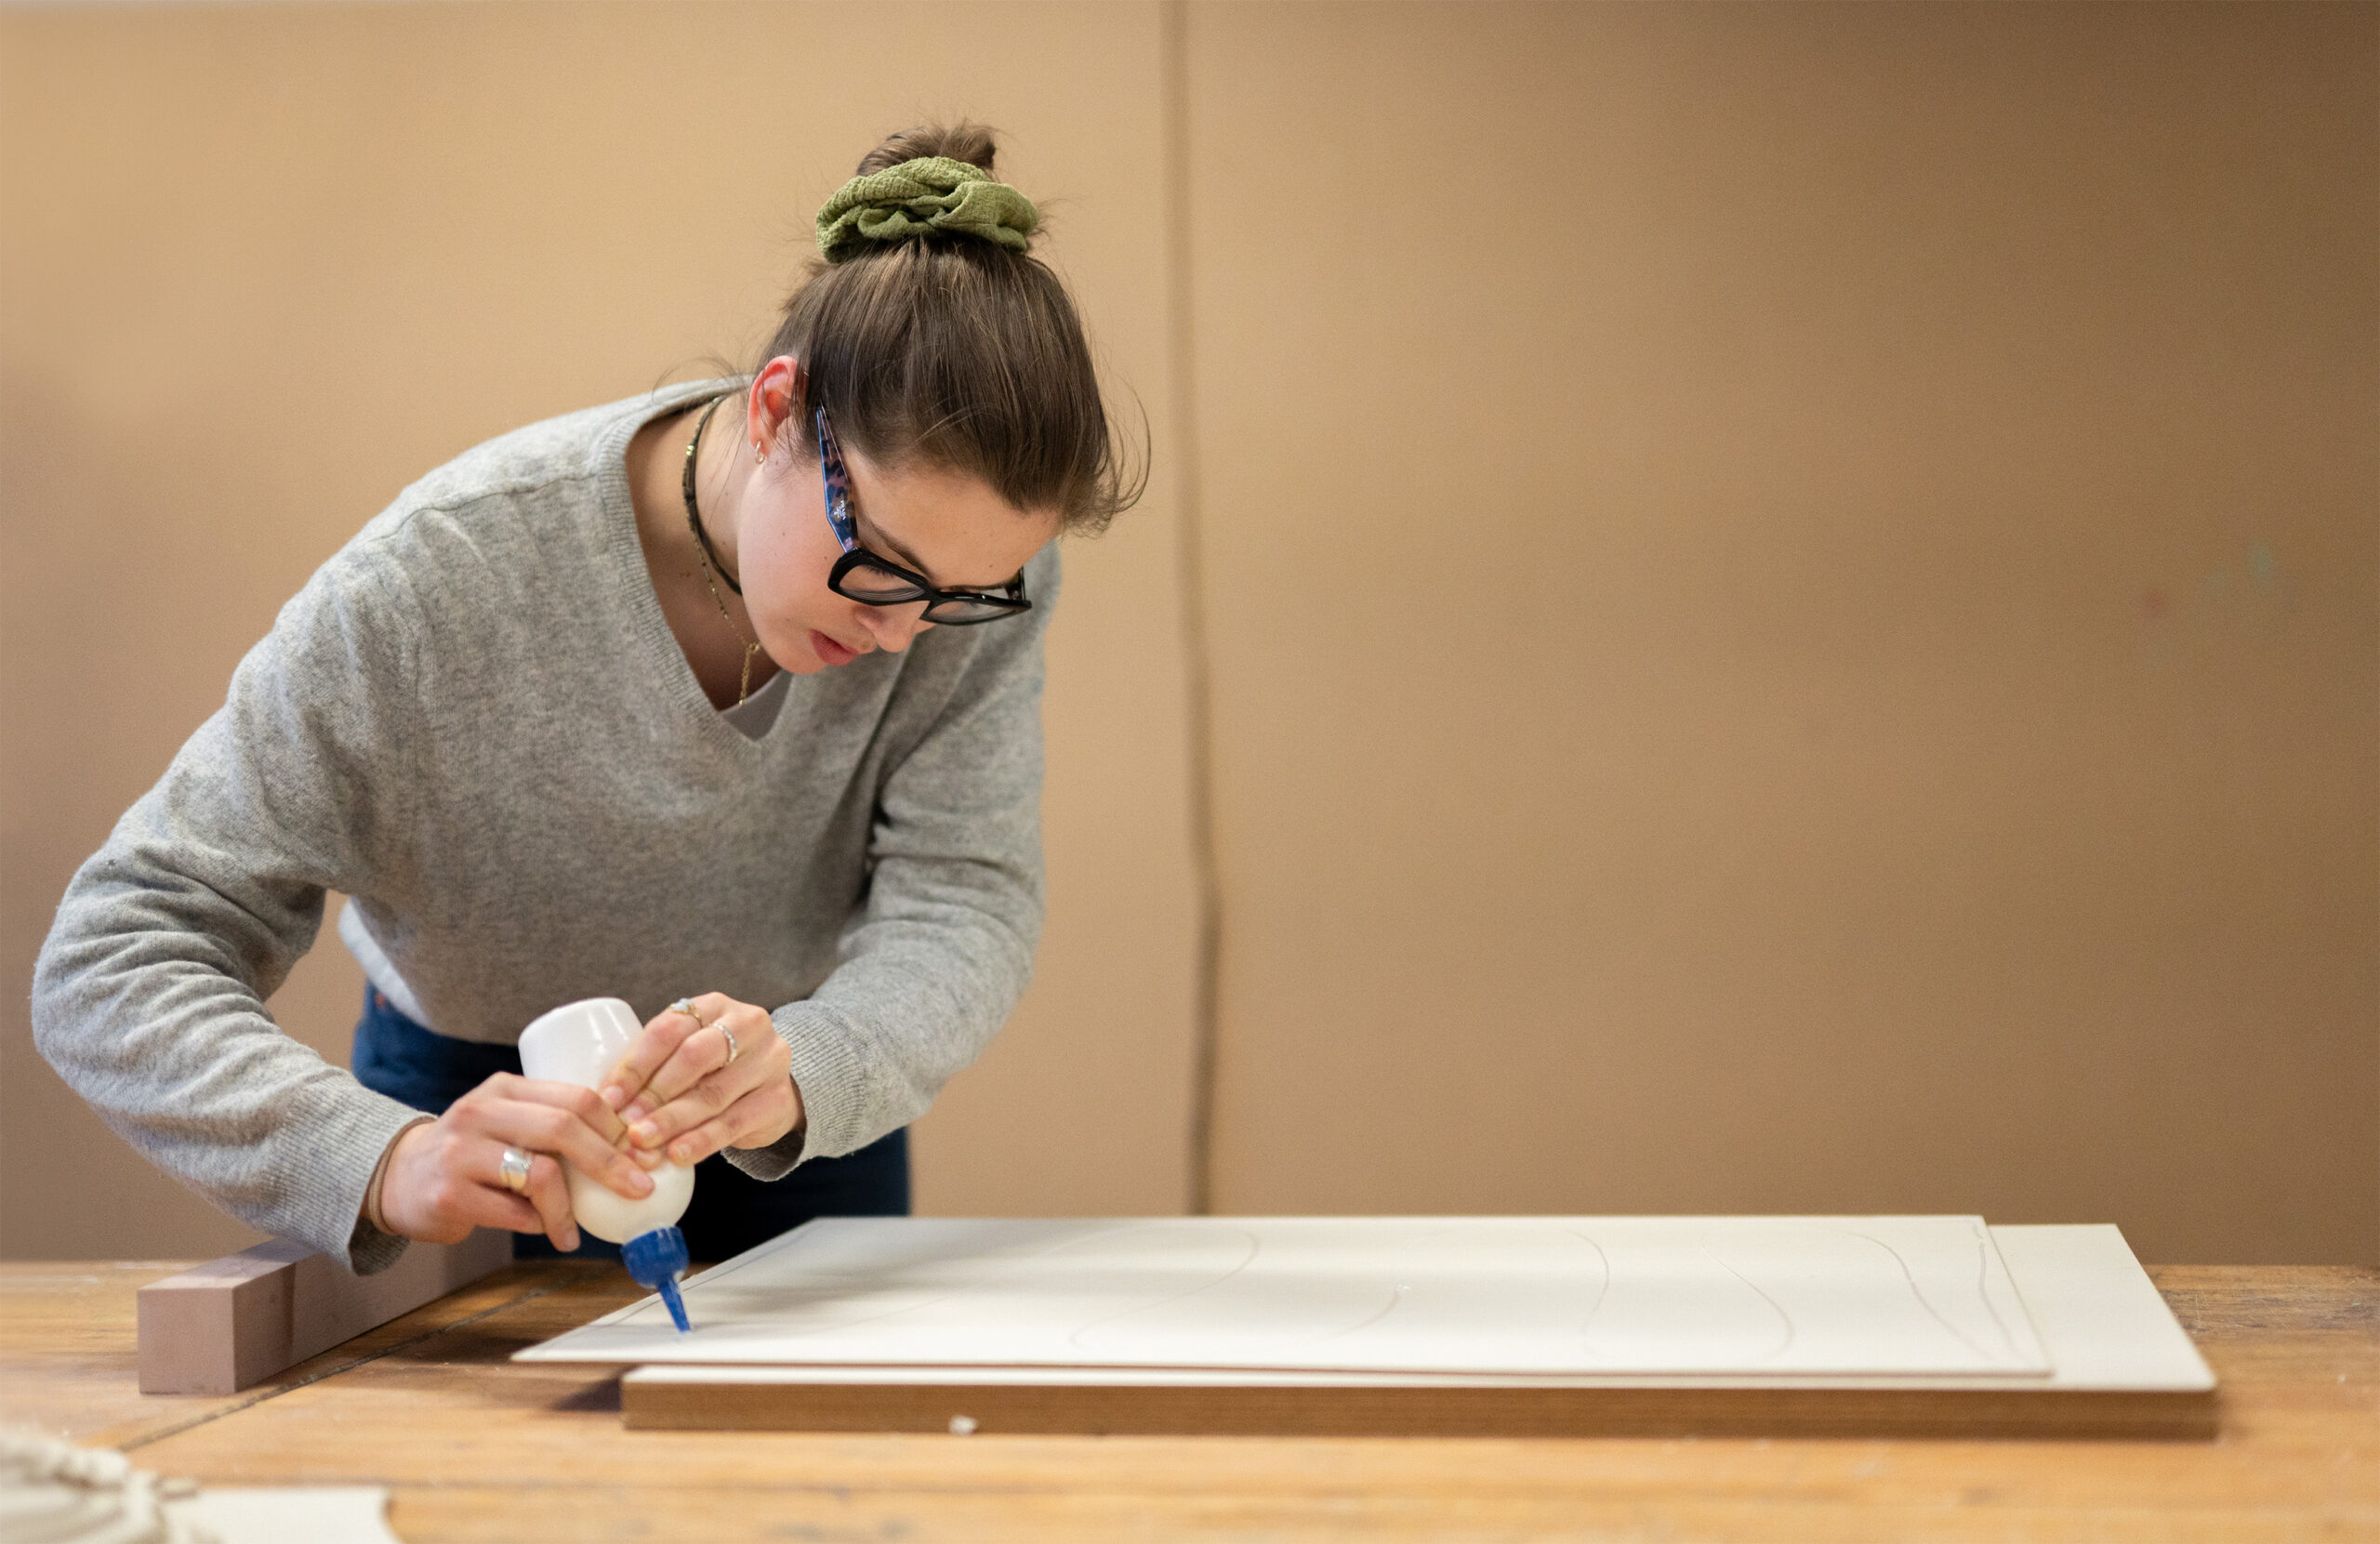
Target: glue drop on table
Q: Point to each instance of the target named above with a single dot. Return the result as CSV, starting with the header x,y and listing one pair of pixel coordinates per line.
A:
x,y
578,1043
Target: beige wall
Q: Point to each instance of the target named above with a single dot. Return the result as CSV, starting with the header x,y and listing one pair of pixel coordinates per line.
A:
x,y
1826,658
1787,595
263,267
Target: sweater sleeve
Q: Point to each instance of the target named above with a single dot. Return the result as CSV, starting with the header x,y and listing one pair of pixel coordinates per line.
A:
x,y
936,957
149,996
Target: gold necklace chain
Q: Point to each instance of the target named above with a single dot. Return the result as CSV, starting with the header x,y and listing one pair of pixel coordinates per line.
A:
x,y
702,552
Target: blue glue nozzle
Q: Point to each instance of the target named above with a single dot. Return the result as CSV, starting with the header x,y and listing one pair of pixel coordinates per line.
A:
x,y
655,1260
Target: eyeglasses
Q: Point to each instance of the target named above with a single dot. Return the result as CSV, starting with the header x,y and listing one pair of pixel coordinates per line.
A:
x,y
861,575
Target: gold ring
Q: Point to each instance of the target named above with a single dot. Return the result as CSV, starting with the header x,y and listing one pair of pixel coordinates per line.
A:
x,y
686,1005
514,1170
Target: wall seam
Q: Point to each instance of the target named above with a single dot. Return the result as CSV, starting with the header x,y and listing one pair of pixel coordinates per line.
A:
x,y
1173,30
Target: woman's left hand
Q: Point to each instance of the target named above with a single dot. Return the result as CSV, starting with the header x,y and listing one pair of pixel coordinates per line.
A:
x,y
684,1095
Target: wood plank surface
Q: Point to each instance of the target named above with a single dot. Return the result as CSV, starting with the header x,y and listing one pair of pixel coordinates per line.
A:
x,y
475,1447
69,1356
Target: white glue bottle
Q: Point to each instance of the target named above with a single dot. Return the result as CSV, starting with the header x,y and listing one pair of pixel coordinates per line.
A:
x,y
578,1043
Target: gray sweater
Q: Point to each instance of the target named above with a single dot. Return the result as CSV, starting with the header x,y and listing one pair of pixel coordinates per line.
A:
x,y
475,720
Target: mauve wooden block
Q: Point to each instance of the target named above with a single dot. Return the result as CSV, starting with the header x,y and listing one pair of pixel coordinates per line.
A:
x,y
234,1322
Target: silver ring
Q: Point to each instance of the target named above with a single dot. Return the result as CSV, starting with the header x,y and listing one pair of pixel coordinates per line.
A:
x,y
513,1168
732,1047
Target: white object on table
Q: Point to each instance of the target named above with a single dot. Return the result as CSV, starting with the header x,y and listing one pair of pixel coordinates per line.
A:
x,y
282,1514
1758,1297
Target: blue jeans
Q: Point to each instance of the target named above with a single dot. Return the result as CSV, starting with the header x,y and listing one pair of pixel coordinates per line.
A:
x,y
731,1211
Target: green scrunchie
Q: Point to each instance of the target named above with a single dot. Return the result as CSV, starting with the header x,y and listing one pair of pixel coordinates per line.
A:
x,y
922,197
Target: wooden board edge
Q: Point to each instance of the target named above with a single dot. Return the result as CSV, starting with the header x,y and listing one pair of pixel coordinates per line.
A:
x,y
656,1404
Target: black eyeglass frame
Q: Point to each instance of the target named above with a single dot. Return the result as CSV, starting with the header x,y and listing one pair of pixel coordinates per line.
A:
x,y
1007,602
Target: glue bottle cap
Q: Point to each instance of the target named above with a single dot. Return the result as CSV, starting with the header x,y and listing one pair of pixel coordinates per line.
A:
x,y
655,1260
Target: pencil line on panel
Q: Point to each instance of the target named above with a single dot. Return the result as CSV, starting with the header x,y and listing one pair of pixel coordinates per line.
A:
x,y
1174,65
1784,1320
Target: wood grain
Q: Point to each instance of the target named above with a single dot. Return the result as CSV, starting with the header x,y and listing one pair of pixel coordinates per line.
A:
x,y
478,1448
69,1359
656,1402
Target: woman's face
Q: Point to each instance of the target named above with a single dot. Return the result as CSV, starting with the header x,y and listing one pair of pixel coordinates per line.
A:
x,y
953,529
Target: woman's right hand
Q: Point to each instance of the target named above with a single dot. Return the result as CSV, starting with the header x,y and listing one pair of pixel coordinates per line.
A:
x,y
446,1177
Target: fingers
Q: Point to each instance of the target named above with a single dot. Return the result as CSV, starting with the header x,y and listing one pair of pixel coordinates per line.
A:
x,y
755,1120
475,1205
705,1098
559,1118
720,1070
663,1035
700,1083
444,1180
550,1193
699,1056
585,1105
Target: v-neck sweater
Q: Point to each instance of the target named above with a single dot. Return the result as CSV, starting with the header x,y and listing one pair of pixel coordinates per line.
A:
x,y
752,718
475,722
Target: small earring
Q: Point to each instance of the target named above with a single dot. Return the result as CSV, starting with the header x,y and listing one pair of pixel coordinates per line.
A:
x,y
760,456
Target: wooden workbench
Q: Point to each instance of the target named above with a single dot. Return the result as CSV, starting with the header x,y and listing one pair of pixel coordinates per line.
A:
x,y
477,1447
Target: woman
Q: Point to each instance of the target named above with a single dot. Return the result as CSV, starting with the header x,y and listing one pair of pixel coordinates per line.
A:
x,y
723,700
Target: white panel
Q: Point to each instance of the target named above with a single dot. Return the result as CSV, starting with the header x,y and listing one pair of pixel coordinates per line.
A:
x,y
1750,1296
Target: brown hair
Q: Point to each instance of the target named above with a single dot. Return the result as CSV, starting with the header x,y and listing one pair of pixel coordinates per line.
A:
x,y
951,352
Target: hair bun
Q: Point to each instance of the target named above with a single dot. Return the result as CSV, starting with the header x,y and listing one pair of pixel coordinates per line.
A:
x,y
927,196
970,142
